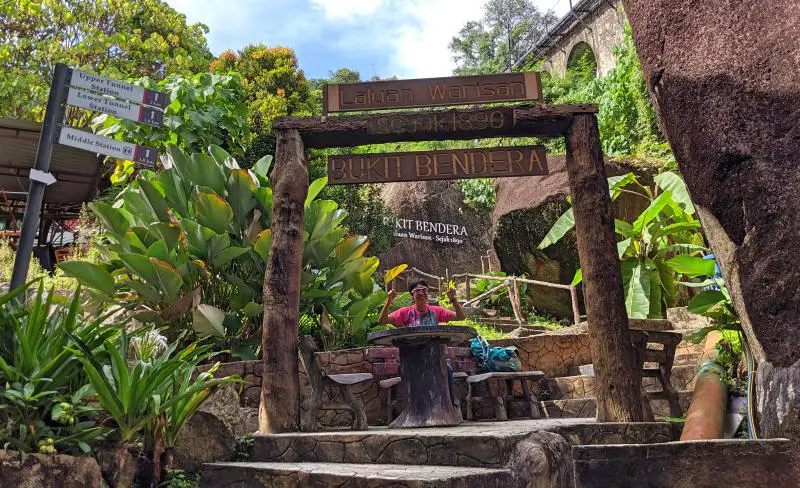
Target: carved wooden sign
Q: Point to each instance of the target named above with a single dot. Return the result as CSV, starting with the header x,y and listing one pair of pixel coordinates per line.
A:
x,y
437,165
429,92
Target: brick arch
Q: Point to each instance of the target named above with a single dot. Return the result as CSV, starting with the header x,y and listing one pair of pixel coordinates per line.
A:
x,y
580,50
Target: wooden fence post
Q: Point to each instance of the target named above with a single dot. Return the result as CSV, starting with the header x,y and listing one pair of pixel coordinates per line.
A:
x,y
576,312
617,375
280,388
466,286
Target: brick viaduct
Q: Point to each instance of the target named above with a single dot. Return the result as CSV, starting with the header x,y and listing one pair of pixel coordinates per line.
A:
x,y
593,25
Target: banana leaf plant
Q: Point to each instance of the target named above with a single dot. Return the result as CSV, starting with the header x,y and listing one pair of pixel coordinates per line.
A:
x,y
189,245
652,248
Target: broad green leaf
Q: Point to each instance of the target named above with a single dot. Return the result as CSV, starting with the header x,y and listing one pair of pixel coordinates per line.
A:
x,y
114,220
623,228
261,168
314,189
578,277
207,321
623,246
351,248
240,195
174,192
692,266
651,212
206,172
253,309
699,284
393,273
636,283
656,308
617,183
672,182
197,236
681,249
262,244
90,275
705,301
159,251
213,211
227,255
157,201
677,227
168,278
140,266
169,232
667,280
222,157
563,225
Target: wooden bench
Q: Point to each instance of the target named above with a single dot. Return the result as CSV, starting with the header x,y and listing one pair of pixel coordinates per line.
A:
x,y
501,402
658,347
333,382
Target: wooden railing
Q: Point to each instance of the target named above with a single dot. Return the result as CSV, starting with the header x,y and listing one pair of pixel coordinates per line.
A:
x,y
509,282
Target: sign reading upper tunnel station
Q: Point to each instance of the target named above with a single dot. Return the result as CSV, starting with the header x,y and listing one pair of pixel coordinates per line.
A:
x,y
429,92
437,165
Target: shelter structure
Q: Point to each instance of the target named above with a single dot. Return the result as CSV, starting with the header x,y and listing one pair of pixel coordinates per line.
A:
x,y
77,174
617,374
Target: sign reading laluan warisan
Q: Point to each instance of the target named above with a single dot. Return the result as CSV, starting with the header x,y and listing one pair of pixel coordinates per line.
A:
x,y
428,92
437,165
116,107
119,89
110,147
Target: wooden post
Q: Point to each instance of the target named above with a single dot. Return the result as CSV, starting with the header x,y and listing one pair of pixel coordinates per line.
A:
x,y
466,285
576,313
280,388
617,378
516,302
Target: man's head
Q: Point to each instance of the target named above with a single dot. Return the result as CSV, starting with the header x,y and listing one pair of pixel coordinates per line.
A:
x,y
419,291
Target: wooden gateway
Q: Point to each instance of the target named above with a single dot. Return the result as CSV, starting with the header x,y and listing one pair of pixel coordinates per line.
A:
x,y
618,378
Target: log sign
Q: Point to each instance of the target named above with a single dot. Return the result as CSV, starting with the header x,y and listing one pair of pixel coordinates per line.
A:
x,y
436,165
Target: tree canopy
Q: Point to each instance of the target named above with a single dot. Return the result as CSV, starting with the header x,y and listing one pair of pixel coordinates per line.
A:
x,y
116,38
507,31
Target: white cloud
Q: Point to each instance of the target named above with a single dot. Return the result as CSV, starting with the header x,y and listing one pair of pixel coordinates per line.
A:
x,y
420,45
348,9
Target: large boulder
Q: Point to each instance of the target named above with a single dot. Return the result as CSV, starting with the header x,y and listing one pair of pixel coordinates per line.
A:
x,y
420,206
48,471
527,207
723,77
203,439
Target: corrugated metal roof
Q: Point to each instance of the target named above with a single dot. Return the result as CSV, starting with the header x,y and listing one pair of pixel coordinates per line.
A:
x,y
77,171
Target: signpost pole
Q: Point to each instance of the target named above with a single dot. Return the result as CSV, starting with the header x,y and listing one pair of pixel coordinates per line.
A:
x,y
33,207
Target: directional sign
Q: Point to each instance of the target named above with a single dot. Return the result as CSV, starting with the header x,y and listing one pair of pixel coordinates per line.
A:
x,y
119,89
109,147
115,107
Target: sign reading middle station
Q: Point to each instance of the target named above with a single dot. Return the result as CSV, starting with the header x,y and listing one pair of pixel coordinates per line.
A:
x,y
494,162
110,147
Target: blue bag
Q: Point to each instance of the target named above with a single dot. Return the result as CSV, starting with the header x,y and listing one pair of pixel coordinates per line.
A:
x,y
495,358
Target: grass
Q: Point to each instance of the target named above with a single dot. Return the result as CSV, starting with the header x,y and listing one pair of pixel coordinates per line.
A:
x,y
57,280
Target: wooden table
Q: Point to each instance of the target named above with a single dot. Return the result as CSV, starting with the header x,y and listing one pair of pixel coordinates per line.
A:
x,y
424,370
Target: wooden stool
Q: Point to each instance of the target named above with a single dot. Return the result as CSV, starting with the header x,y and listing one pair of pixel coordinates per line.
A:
x,y
501,401
340,382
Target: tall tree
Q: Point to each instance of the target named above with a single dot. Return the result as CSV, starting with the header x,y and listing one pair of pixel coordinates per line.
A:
x,y
274,87
116,38
507,31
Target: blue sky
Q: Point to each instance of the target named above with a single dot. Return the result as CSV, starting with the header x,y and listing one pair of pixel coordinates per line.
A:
x,y
406,38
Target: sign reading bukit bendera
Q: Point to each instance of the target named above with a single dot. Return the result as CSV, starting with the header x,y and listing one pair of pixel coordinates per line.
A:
x,y
428,92
437,165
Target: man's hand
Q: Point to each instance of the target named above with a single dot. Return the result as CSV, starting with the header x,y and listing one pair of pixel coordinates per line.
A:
x,y
384,317
451,295
390,296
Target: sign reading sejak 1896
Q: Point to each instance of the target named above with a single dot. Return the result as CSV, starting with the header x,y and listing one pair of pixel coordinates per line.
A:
x,y
437,165
456,90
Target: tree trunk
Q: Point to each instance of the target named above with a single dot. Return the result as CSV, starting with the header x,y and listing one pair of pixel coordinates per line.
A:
x,y
280,390
617,376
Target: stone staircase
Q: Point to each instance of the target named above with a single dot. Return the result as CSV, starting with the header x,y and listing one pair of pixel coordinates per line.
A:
x,y
473,455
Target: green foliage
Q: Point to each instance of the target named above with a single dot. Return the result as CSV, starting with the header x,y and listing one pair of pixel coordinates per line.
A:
x,y
121,39
189,245
486,331
508,29
658,246
44,402
244,447
479,194
205,109
177,478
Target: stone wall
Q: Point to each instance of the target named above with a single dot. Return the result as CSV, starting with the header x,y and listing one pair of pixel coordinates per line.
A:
x,y
555,355
603,31
43,470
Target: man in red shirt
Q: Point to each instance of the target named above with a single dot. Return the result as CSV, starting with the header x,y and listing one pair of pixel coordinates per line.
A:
x,y
423,314
420,313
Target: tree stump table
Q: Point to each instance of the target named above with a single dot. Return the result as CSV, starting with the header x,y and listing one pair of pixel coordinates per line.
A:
x,y
424,371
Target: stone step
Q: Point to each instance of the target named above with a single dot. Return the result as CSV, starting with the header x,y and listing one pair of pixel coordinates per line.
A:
x,y
471,444
290,475
587,408
687,359
688,464
581,386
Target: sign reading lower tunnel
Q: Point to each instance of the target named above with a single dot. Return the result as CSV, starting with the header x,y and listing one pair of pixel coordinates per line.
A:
x,y
437,165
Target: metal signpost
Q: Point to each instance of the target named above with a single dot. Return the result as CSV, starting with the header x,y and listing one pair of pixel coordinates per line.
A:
x,y
97,93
